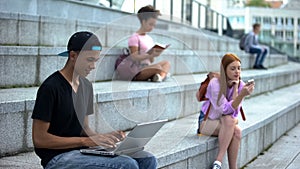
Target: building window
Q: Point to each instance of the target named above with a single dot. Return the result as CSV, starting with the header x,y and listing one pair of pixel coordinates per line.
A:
x,y
256,19
289,21
279,34
237,20
267,21
241,19
265,36
279,21
289,35
236,3
266,33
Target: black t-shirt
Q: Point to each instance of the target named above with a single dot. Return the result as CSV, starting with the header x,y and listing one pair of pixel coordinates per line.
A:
x,y
65,110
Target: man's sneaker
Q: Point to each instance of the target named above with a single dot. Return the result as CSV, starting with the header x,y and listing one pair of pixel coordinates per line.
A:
x,y
156,78
217,165
262,67
256,67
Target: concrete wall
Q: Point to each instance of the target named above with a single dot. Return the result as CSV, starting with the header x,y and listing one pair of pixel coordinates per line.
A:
x,y
72,9
38,30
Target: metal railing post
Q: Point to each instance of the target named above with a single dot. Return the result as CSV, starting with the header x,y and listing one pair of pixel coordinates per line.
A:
x,y
110,3
191,10
199,15
171,10
182,11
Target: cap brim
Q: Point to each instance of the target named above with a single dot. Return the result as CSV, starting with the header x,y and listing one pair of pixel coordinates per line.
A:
x,y
65,54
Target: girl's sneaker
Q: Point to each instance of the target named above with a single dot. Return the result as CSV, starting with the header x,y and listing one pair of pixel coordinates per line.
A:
x,y
217,165
156,78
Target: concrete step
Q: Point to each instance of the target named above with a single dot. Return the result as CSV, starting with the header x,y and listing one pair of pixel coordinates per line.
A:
x,y
176,145
34,64
39,30
27,160
88,12
35,40
120,104
282,154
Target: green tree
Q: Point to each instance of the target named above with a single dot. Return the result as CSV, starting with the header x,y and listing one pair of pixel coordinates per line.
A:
x,y
258,3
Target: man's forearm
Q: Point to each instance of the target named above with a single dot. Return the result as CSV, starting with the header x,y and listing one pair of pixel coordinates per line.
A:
x,y
50,141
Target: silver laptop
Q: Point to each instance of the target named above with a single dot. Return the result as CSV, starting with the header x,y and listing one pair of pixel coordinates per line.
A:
x,y
134,141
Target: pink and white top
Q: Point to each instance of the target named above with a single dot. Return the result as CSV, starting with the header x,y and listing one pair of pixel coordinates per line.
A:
x,y
143,42
225,103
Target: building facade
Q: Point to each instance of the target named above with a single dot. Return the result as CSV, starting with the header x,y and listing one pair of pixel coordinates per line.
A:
x,y
280,26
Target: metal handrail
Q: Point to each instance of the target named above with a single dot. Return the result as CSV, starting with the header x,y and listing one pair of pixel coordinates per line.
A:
x,y
195,14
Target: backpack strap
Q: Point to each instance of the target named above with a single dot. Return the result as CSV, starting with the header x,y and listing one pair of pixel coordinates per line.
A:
x,y
241,110
243,114
207,111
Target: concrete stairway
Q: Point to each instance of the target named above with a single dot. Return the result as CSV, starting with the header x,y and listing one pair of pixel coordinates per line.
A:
x,y
30,43
268,116
35,57
177,146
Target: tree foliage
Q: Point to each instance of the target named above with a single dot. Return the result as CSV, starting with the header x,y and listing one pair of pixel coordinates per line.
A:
x,y
258,3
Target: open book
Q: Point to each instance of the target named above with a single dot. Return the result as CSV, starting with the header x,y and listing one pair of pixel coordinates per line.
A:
x,y
158,46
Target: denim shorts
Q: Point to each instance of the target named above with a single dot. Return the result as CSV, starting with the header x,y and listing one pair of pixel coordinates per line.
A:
x,y
200,119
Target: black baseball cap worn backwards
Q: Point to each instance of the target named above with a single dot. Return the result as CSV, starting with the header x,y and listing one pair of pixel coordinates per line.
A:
x,y
82,41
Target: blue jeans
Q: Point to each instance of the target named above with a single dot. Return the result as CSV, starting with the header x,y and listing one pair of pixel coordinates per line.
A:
x,y
75,160
260,55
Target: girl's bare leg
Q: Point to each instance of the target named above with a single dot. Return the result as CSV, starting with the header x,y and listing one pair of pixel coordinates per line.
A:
x,y
229,137
161,68
225,135
233,148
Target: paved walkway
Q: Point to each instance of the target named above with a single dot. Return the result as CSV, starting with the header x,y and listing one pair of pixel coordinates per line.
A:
x,y
283,154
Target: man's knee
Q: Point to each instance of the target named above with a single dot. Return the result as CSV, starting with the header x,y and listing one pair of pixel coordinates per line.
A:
x,y
145,159
265,51
259,51
150,162
130,163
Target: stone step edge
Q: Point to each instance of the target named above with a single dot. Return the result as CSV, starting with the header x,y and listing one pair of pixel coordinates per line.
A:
x,y
168,87
194,144
107,50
